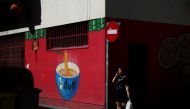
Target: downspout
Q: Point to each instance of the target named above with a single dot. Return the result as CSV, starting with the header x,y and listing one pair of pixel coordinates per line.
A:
x,y
107,47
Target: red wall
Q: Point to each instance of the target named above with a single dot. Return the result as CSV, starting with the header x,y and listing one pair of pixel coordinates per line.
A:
x,y
163,85
91,62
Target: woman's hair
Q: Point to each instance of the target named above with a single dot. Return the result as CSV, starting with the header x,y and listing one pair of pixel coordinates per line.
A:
x,y
124,70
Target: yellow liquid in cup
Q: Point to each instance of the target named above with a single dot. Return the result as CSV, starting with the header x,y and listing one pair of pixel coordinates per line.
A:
x,y
63,72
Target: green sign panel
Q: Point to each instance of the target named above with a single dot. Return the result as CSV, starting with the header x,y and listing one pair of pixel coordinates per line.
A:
x,y
96,24
40,33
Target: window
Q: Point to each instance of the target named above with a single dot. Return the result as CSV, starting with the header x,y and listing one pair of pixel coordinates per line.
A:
x,y
12,51
68,36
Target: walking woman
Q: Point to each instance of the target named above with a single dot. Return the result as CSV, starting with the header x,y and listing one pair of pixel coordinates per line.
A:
x,y
121,88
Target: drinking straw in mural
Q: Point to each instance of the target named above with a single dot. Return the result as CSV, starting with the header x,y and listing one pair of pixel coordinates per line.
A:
x,y
67,78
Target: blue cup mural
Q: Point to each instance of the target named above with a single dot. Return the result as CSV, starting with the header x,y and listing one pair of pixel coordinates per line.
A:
x,y
67,83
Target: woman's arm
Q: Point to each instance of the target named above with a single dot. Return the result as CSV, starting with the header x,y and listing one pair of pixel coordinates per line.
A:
x,y
127,90
113,80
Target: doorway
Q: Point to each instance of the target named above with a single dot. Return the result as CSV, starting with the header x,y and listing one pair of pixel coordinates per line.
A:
x,y
134,57
138,72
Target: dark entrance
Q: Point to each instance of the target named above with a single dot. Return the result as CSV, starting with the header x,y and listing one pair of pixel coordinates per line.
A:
x,y
134,57
138,68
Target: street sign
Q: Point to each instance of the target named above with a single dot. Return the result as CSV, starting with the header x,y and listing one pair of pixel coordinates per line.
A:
x,y
112,31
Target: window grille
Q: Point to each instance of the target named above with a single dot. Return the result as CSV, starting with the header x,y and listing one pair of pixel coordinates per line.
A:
x,y
68,36
12,51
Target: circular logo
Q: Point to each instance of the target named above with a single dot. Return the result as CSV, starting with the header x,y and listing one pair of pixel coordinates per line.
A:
x,y
169,53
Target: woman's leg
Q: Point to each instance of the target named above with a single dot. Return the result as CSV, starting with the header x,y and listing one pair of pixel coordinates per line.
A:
x,y
119,105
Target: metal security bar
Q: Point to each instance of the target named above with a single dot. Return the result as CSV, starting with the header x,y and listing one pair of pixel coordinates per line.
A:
x,y
12,50
68,36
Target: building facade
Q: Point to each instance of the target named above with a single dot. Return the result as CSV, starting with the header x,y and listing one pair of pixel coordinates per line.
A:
x,y
151,40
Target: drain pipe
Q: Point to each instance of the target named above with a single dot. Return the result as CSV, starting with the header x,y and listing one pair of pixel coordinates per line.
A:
x,y
107,47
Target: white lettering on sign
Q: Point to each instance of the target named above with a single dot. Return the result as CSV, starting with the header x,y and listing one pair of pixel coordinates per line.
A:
x,y
112,31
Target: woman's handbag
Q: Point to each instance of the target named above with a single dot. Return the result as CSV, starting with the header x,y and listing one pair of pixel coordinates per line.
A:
x,y
129,105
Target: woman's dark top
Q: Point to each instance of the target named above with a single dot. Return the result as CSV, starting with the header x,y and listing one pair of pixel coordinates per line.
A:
x,y
121,94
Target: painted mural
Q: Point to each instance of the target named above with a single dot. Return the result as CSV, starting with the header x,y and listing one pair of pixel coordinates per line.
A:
x,y
67,78
62,74
66,72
